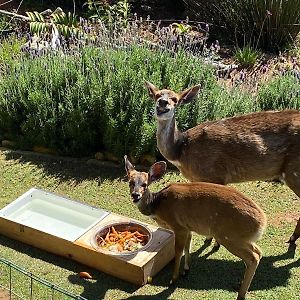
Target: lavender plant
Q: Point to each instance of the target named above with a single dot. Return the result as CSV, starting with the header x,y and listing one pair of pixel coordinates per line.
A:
x,y
89,96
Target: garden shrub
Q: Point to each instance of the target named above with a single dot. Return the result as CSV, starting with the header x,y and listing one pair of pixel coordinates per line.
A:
x,y
282,92
96,99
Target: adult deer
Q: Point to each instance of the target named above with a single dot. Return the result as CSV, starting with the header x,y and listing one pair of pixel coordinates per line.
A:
x,y
235,221
256,146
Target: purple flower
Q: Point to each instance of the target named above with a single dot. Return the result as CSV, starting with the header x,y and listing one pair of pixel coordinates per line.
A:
x,y
206,27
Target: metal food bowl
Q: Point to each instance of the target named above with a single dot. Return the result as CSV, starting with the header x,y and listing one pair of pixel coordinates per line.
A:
x,y
121,226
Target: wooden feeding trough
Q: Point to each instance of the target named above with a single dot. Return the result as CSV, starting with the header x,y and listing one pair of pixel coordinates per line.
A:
x,y
69,228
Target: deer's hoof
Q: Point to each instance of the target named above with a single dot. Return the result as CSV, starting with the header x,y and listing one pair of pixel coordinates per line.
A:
x,y
216,247
291,240
173,281
208,241
185,272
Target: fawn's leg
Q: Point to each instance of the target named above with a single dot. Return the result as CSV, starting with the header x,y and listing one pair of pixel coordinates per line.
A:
x,y
251,255
187,255
180,242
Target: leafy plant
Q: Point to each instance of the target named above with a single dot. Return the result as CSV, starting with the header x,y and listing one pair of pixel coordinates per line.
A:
x,y
65,24
182,28
282,92
246,56
109,11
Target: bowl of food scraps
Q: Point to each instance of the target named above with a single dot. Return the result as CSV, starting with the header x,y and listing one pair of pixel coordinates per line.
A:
x,y
124,238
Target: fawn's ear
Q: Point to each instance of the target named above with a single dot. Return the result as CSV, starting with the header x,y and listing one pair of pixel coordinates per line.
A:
x,y
152,89
128,166
189,94
156,171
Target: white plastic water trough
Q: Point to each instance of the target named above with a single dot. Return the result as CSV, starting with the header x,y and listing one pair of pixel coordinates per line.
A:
x,y
67,228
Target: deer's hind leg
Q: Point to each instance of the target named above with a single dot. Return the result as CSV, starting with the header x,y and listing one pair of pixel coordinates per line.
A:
x,y
291,176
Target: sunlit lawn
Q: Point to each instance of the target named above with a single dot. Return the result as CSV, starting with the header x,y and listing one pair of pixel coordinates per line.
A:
x,y
212,277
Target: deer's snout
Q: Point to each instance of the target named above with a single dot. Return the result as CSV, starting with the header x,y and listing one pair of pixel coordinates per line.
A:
x,y
136,196
162,102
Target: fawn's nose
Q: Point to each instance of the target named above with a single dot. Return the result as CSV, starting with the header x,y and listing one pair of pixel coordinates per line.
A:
x,y
136,196
162,102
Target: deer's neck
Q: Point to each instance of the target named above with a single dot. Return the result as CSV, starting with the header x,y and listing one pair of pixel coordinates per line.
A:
x,y
148,204
169,139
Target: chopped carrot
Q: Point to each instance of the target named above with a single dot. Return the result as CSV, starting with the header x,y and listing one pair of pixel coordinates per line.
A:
x,y
124,240
114,230
85,275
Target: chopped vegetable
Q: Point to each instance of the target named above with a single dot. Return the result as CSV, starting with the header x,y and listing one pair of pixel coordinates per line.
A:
x,y
121,241
85,275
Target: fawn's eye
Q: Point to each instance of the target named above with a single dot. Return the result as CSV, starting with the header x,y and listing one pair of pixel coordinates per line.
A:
x,y
144,185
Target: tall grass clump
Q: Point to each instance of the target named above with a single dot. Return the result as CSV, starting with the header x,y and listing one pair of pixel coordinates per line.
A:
x,y
246,56
265,24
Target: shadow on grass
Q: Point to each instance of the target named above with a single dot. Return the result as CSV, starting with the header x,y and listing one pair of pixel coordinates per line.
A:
x,y
66,168
206,273
211,274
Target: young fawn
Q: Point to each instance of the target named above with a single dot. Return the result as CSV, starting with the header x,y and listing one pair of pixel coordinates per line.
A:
x,y
209,209
256,146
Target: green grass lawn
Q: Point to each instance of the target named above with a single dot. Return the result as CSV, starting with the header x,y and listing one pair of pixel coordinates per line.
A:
x,y
213,276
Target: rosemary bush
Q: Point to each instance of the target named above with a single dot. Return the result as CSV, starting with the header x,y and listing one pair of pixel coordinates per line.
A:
x,y
85,99
93,100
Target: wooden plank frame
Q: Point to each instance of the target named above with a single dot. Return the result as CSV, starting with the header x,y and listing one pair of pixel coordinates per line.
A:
x,y
132,268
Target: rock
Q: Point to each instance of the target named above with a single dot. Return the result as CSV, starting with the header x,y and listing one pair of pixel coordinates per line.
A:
x,y
8,143
99,155
111,157
45,150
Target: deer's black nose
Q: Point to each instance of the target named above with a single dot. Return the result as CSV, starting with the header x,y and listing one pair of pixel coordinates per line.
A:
x,y
135,196
162,102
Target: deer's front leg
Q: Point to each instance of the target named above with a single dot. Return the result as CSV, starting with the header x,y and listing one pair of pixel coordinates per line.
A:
x,y
187,255
180,242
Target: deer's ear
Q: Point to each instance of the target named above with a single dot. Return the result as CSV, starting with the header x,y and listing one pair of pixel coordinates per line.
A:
x,y
152,89
128,166
157,171
189,94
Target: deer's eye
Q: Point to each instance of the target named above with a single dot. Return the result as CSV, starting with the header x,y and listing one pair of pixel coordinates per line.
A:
x,y
131,184
144,185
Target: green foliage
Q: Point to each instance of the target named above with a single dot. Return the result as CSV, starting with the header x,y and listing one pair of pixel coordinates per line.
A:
x,y
182,28
110,12
281,93
10,50
264,24
95,100
246,56
65,23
